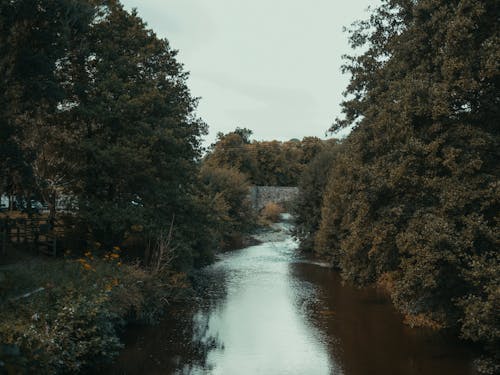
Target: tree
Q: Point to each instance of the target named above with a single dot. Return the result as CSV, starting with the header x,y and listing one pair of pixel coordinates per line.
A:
x,y
412,200
232,151
34,41
96,107
312,185
136,132
271,163
225,192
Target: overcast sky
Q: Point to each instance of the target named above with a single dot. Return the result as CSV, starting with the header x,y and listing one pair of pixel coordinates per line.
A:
x,y
272,66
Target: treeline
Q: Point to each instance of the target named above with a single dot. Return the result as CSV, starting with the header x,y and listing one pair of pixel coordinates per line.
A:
x,y
233,164
95,109
410,199
264,163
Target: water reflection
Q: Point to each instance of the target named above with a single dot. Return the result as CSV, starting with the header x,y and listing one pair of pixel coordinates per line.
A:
x,y
257,328
369,335
262,310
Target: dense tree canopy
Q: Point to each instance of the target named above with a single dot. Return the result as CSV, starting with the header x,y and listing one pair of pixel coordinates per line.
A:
x,y
136,160
95,107
34,39
225,193
412,200
270,163
312,184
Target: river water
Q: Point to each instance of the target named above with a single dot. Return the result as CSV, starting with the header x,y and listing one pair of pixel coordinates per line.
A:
x,y
266,310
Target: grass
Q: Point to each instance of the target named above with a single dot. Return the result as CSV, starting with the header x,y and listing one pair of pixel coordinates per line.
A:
x,y
73,319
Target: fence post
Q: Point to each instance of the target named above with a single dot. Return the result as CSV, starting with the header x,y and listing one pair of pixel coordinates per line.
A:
x,y
4,236
52,226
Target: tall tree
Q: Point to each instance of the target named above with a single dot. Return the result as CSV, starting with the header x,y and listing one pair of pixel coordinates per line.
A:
x,y
139,138
96,107
34,40
415,199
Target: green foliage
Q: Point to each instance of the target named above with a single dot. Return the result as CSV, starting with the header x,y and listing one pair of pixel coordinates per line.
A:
x,y
74,323
136,159
412,198
225,192
94,106
33,40
312,183
265,163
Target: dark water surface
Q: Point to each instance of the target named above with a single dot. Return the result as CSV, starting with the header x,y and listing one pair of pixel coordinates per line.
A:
x,y
263,310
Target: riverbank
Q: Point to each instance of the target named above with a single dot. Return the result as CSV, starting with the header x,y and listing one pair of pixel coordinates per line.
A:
x,y
265,309
67,315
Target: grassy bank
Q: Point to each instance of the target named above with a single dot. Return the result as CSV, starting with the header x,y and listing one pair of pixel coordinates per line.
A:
x,y
65,315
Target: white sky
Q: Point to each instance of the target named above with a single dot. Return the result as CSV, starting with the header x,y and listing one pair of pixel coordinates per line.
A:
x,y
272,66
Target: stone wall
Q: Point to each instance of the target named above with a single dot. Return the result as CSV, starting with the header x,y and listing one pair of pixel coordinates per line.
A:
x,y
262,195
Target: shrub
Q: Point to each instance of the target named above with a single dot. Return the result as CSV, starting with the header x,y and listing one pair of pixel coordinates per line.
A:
x,y
271,213
74,319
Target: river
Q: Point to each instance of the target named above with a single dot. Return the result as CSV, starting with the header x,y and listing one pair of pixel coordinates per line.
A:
x,y
266,310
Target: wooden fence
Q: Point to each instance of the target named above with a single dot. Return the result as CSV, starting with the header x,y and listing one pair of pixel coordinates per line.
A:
x,y
35,232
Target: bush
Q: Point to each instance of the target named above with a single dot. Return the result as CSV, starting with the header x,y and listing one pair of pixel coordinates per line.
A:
x,y
271,213
73,323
